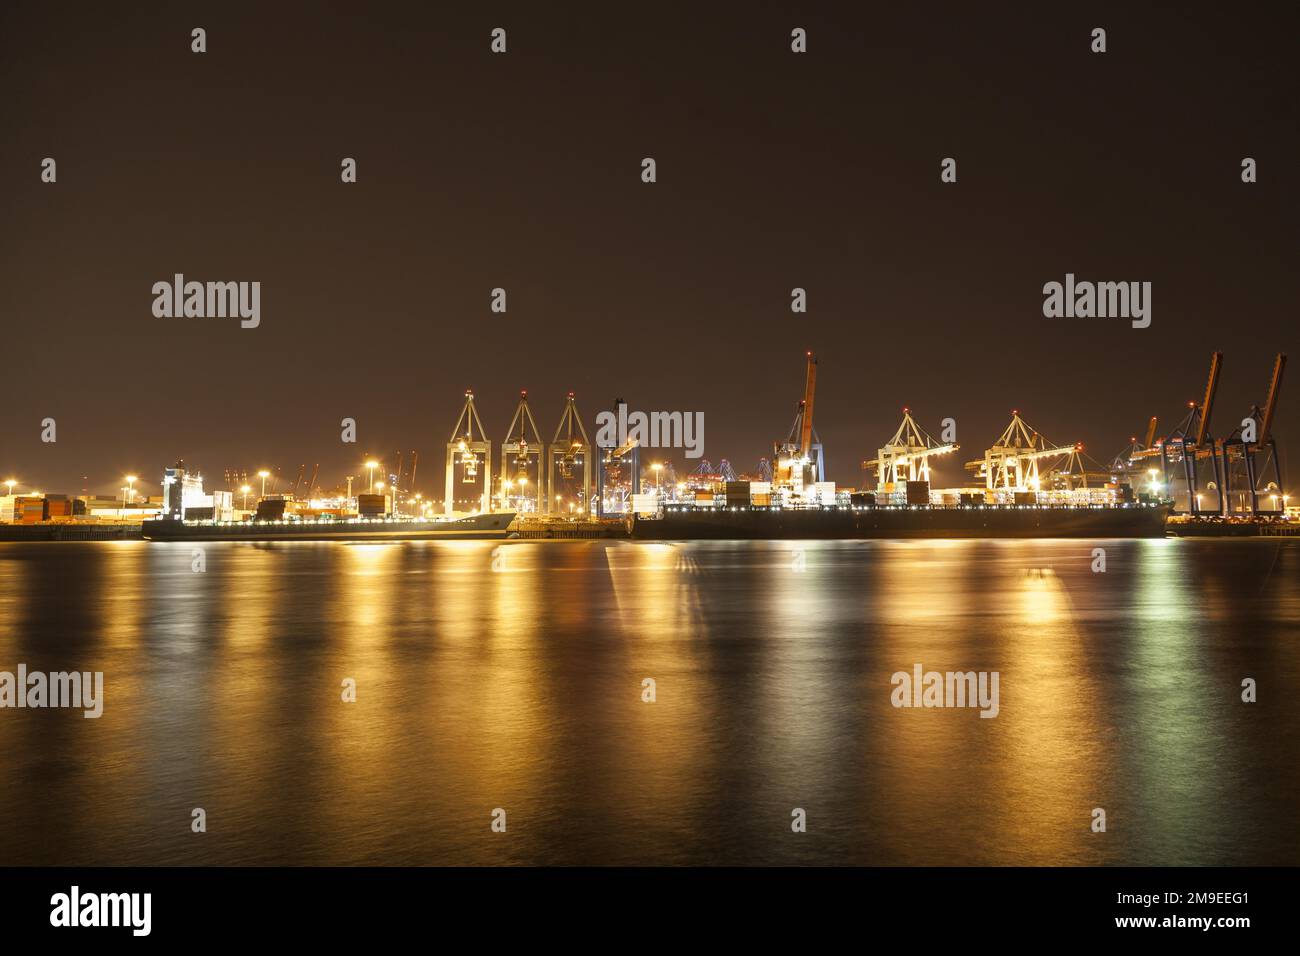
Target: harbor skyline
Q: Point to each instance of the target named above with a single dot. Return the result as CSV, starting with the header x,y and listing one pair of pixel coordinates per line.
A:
x,y
336,461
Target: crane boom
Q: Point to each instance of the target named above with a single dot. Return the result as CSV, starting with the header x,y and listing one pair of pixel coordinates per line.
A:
x,y
1207,405
809,388
1270,405
1151,432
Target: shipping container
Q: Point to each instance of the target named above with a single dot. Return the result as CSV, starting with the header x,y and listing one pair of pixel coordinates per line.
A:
x,y
918,492
270,509
57,509
645,503
372,506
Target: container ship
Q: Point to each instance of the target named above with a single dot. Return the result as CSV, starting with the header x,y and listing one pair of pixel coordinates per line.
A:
x,y
495,524
1023,487
917,521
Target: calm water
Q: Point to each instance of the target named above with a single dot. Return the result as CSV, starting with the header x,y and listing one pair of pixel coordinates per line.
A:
x,y
521,689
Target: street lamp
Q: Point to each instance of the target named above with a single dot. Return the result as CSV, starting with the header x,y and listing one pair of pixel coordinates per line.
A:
x,y
658,471
372,465
264,474
130,487
11,482
245,489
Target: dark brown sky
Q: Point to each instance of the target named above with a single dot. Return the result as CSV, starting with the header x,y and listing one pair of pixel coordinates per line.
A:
x,y
522,171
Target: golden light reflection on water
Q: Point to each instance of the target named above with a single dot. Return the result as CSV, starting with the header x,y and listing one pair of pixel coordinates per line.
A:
x,y
663,634
1046,734
510,674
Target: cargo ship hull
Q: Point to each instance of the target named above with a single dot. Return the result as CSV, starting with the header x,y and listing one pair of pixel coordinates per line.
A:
x,y
920,522
495,525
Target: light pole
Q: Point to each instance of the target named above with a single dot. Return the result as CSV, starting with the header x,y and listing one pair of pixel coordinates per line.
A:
x,y
264,474
11,482
372,465
245,489
658,471
130,488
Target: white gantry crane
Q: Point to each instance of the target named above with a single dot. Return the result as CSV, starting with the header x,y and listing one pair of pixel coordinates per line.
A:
x,y
906,456
1012,463
569,450
523,452
471,449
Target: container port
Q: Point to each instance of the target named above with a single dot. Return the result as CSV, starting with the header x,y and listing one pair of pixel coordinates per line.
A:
x,y
1187,482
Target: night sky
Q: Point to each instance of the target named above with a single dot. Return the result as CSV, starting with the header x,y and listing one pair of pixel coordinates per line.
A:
x,y
522,170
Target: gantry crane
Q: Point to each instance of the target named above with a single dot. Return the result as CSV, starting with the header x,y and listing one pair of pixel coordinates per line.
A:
x,y
1189,443
523,447
799,461
610,463
1262,420
469,447
569,449
415,461
1012,463
906,456
1078,471
1192,431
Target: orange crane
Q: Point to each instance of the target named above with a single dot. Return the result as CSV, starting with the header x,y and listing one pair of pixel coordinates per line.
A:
x,y
1151,432
1262,422
1207,403
1190,440
809,389
798,461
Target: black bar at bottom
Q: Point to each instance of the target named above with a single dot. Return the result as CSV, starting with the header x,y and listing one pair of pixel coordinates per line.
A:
x,y
767,905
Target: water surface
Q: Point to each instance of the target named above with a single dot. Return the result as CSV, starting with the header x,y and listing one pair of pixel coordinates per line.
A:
x,y
521,688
